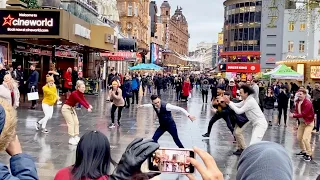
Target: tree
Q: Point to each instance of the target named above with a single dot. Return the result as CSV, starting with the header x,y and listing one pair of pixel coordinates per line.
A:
x,y
31,4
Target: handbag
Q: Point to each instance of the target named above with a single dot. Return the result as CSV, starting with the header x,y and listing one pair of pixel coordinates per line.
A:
x,y
33,95
276,104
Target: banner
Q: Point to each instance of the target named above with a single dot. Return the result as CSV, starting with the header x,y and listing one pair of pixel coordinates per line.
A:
x,y
220,38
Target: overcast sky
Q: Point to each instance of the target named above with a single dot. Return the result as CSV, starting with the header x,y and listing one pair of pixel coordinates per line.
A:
x,y
205,18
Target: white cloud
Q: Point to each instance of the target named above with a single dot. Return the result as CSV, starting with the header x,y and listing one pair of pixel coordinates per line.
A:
x,y
205,18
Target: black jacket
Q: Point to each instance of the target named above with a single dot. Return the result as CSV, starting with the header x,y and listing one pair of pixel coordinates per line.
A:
x,y
283,99
269,102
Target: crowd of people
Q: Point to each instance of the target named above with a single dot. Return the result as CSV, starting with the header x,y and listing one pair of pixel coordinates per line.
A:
x,y
238,103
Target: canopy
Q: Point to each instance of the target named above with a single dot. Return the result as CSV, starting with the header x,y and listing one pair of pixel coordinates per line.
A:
x,y
146,67
283,72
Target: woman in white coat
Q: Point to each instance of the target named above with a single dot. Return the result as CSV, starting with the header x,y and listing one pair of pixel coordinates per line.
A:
x,y
9,91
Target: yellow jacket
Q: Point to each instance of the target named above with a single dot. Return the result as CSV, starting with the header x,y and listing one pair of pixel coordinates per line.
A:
x,y
50,95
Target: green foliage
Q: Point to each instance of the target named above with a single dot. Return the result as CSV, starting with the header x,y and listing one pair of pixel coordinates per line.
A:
x,y
31,4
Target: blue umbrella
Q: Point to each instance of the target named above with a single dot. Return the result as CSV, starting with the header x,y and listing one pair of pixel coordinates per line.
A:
x,y
146,67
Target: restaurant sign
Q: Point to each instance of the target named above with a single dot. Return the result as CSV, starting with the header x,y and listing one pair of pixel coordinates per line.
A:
x,y
25,22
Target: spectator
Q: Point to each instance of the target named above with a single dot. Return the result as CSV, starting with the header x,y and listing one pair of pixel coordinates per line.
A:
x,y
2,73
9,91
22,166
68,82
33,83
135,88
74,77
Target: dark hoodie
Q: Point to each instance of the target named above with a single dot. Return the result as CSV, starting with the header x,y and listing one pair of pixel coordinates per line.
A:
x,y
265,161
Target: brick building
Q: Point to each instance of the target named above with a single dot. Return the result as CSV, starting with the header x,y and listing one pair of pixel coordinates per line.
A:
x,y
134,20
176,38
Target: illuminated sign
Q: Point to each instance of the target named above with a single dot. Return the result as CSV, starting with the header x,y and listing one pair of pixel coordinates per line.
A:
x,y
26,22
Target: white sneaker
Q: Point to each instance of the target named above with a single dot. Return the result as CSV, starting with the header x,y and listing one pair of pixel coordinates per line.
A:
x,y
112,126
38,126
72,141
77,138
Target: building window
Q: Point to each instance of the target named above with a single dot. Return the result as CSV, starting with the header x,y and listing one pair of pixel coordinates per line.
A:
x,y
291,26
301,46
167,13
302,26
129,9
290,46
136,11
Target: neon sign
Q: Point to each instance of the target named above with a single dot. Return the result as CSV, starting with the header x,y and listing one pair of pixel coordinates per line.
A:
x,y
25,22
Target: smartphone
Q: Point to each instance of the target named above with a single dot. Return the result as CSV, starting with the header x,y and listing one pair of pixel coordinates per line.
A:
x,y
171,160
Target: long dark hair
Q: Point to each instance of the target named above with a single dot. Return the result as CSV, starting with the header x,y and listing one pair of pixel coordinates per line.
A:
x,y
92,156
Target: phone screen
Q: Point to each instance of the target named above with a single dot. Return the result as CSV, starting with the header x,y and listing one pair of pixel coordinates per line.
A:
x,y
171,160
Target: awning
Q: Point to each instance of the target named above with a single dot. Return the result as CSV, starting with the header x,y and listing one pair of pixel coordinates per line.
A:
x,y
284,72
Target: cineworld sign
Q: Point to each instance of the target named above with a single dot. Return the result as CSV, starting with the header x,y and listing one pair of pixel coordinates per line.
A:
x,y
26,22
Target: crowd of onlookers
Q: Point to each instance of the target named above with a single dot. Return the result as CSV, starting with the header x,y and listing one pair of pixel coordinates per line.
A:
x,y
94,158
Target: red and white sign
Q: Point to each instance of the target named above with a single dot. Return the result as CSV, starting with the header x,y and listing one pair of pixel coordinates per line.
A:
x,y
243,67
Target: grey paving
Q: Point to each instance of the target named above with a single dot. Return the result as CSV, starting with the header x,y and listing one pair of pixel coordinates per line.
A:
x,y
52,152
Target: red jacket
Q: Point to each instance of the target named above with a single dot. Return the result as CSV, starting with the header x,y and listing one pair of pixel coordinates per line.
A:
x,y
65,174
186,88
77,97
307,112
67,79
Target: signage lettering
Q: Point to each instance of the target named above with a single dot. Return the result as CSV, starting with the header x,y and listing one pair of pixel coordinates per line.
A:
x,y
26,22
81,31
296,57
243,68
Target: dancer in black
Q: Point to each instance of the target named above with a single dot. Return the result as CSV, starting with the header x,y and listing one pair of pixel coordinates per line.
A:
x,y
166,121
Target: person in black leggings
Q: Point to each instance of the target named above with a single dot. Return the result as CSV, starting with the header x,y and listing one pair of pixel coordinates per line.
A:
x,y
205,90
221,110
283,101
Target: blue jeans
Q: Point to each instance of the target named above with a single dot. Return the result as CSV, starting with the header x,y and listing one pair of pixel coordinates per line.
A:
x,y
172,129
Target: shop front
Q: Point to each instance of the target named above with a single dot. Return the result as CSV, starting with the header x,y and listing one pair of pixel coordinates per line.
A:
x,y
309,68
240,71
44,37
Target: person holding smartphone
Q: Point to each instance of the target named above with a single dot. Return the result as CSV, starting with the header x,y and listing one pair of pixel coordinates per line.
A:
x,y
166,121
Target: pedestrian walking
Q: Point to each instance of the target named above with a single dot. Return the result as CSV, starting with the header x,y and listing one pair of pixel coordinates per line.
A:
x,y
50,97
69,113
166,121
205,90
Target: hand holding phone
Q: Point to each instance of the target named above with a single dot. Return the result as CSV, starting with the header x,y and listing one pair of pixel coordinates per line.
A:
x,y
171,161
211,171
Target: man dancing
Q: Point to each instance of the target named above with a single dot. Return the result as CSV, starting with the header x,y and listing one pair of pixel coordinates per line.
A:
x,y
252,110
166,121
